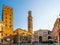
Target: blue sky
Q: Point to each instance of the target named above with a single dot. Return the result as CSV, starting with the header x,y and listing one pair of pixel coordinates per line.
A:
x,y
44,12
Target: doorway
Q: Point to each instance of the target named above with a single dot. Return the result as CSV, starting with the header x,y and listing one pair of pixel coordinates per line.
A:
x,y
40,38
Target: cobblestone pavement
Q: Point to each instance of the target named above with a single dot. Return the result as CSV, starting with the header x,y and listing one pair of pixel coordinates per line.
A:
x,y
33,44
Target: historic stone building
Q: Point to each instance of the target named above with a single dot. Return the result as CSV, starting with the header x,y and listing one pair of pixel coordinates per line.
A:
x,y
42,35
22,35
7,32
26,35
7,19
56,31
9,35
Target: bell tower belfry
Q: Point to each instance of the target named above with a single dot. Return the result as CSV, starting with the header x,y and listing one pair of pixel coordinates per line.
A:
x,y
30,24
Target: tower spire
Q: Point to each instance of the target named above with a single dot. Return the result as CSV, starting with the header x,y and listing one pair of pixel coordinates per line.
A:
x,y
30,25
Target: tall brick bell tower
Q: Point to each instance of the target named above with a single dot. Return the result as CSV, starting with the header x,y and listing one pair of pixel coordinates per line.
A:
x,y
30,24
7,19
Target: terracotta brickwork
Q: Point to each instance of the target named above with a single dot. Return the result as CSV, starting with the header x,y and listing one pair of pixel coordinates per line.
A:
x,y
56,29
30,28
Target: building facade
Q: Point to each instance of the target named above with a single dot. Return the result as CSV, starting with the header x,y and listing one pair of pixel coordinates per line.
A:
x,y
7,19
56,31
1,31
42,35
9,35
26,35
22,36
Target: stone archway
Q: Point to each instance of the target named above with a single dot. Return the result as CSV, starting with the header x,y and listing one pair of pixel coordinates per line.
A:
x,y
15,39
7,40
40,38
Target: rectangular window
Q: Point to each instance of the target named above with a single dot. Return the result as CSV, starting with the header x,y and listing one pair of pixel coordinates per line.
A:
x,y
10,22
5,13
59,20
6,25
6,34
10,15
10,26
6,17
10,18
6,21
